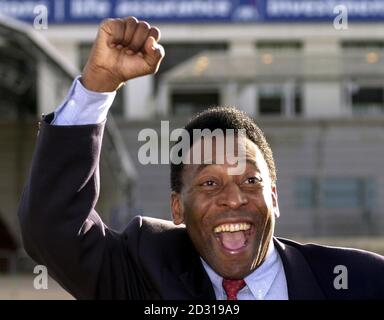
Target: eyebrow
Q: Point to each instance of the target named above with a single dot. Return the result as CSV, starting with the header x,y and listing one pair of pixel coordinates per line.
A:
x,y
204,165
253,162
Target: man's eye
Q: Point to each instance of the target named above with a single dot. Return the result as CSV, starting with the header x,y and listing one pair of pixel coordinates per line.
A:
x,y
253,180
209,183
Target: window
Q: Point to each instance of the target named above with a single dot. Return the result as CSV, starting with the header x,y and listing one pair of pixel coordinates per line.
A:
x,y
365,94
187,103
332,192
362,44
270,100
305,190
367,100
279,46
177,53
280,99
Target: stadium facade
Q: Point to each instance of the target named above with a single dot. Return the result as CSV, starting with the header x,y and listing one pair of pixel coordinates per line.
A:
x,y
310,72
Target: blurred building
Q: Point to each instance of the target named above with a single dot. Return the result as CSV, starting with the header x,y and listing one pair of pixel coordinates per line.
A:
x,y
312,79
34,78
31,75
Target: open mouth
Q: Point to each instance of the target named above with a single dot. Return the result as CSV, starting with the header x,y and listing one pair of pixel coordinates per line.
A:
x,y
233,237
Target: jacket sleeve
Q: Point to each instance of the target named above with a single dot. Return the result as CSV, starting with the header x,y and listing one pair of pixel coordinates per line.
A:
x,y
60,227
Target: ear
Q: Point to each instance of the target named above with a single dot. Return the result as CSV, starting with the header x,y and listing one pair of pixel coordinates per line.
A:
x,y
275,202
177,208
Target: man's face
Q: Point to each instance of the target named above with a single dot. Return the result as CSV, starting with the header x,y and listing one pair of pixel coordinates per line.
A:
x,y
229,218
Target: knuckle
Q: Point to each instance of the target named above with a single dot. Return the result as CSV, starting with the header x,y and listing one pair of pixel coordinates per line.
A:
x,y
106,22
155,32
130,24
132,19
160,52
144,25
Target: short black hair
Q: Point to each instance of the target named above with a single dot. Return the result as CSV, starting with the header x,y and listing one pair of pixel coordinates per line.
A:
x,y
225,118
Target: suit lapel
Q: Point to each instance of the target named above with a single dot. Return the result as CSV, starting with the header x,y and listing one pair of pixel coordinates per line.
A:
x,y
301,282
197,283
187,279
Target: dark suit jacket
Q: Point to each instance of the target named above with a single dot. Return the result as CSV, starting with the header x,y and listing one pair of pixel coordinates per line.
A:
x,y
152,258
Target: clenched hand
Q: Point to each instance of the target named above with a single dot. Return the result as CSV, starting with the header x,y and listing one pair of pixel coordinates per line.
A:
x,y
124,49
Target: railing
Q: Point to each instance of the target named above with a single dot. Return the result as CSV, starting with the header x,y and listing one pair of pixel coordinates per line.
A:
x,y
274,65
120,161
118,146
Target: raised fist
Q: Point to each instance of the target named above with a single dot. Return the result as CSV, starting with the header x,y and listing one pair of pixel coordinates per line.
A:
x,y
124,49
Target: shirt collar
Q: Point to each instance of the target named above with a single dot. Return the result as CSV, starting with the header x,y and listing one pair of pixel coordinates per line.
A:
x,y
258,282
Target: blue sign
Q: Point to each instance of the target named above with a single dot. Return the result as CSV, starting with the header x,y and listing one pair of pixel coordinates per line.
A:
x,y
199,11
323,10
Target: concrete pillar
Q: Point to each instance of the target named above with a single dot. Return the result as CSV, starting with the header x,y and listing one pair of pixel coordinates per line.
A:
x,y
289,99
324,45
163,103
229,94
322,99
137,96
240,46
241,96
46,87
52,87
247,99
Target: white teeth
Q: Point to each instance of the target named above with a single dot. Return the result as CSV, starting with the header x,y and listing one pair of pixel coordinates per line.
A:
x,y
232,227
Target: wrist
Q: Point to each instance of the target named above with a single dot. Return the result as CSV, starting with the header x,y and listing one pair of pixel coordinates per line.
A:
x,y
99,80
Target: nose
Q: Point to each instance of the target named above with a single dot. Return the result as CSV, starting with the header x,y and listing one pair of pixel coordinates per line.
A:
x,y
232,197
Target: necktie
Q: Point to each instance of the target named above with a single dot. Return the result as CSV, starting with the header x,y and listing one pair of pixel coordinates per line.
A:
x,y
232,287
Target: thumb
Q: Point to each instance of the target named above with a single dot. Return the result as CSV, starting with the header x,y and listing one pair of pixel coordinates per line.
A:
x,y
153,53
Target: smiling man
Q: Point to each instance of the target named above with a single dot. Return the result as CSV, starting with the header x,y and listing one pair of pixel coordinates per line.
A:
x,y
229,217
221,242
